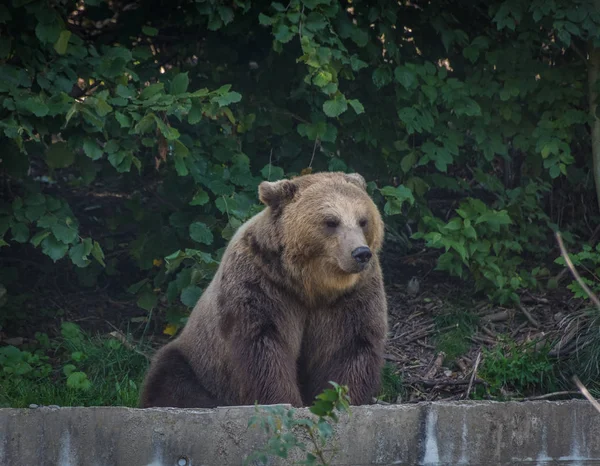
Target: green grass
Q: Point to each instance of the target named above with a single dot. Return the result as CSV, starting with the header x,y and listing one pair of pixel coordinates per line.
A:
x,y
454,330
74,369
517,369
391,383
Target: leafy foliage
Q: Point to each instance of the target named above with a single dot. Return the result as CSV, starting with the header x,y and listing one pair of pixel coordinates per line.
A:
x,y
287,430
587,262
470,119
72,370
510,367
391,384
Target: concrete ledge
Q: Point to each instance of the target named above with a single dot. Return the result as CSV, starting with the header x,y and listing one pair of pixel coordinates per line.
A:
x,y
466,433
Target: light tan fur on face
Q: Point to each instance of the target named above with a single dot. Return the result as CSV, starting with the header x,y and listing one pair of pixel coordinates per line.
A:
x,y
322,257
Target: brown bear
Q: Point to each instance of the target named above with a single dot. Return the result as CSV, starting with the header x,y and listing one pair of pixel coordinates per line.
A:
x,y
296,302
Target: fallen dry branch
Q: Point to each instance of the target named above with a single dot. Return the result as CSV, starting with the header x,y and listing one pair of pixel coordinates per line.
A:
x,y
586,393
433,383
547,395
474,375
439,360
527,314
501,316
483,339
413,335
123,339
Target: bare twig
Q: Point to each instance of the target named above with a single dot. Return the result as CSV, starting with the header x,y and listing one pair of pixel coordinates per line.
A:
x,y
270,161
313,153
433,383
489,332
586,393
546,396
473,375
527,314
439,360
499,316
117,334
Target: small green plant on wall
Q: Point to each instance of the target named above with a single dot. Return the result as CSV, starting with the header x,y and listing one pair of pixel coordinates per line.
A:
x,y
287,432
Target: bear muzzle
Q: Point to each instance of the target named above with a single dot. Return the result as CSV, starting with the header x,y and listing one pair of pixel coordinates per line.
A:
x,y
362,255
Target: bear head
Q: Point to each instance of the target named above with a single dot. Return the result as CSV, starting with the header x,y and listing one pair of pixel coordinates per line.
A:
x,y
329,225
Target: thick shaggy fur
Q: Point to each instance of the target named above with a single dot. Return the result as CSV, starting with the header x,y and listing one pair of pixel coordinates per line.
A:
x,y
289,308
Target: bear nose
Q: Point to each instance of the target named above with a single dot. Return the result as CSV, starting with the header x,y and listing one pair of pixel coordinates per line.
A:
x,y
362,254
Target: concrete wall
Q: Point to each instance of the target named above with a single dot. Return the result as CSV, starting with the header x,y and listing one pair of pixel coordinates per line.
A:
x,y
466,433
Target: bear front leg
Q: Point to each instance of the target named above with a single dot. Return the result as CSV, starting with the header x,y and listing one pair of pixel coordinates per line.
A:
x,y
264,345
266,370
171,382
356,364
345,345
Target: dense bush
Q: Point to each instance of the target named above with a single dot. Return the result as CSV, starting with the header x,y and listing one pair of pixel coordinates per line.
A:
x,y
472,120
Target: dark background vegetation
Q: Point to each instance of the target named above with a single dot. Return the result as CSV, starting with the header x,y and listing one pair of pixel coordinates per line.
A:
x,y
134,136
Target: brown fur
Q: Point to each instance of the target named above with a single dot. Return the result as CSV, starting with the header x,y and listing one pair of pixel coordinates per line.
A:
x,y
289,308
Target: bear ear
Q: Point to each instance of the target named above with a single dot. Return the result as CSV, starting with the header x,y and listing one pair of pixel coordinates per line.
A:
x,y
357,179
276,193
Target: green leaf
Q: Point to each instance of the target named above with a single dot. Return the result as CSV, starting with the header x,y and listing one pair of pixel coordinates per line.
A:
x,y
382,77
149,31
79,381
408,162
63,42
80,252
190,295
36,106
180,149
59,155
180,84
357,106
92,149
151,91
123,120
98,254
272,173
225,13
200,198
54,248
311,4
357,64
39,237
265,20
200,233
64,233
336,106
322,78
283,33
48,32
228,98
359,36
147,300
195,114
405,76
315,21
20,232
68,369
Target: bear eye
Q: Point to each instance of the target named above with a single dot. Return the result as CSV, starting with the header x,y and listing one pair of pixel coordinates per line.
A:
x,y
363,222
332,223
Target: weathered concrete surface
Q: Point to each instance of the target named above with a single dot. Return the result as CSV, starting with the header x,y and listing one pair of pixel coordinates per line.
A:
x,y
467,433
